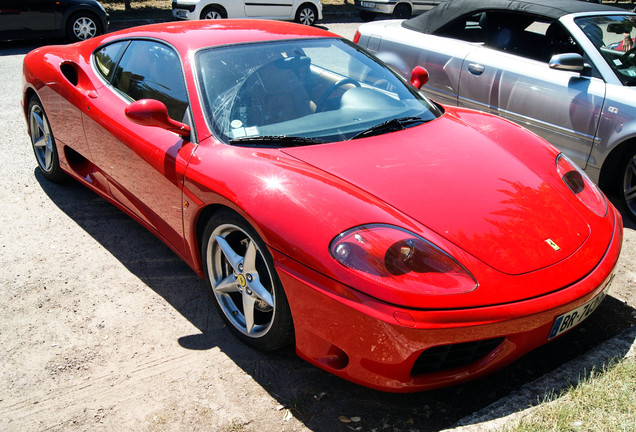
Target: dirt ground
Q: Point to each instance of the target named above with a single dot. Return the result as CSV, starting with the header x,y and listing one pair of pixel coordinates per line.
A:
x,y
102,327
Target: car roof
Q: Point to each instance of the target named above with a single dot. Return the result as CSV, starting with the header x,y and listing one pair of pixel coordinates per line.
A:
x,y
193,35
449,11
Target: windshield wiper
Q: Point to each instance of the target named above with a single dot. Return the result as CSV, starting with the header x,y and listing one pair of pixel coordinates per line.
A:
x,y
390,126
277,140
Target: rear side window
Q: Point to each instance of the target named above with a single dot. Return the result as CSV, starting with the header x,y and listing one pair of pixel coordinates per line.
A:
x,y
152,70
107,57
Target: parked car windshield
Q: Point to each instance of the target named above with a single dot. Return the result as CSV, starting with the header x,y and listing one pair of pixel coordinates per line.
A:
x,y
307,91
613,36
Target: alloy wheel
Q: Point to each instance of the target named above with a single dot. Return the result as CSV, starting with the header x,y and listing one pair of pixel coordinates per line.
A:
x,y
241,280
306,16
41,138
84,28
629,185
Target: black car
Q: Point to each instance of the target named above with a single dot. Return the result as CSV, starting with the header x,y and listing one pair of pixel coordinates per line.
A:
x,y
74,19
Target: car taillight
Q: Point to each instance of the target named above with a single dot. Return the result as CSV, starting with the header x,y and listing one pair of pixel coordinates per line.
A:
x,y
400,260
580,184
356,37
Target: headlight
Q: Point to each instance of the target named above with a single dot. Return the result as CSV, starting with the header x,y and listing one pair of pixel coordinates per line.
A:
x,y
400,260
580,184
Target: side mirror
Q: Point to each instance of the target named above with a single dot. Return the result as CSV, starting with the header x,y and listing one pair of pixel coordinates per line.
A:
x,y
151,112
567,62
419,76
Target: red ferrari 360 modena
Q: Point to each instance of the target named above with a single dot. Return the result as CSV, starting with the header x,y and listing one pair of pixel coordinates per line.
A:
x,y
398,243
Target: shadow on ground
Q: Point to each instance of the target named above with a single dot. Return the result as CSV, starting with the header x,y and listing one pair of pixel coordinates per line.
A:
x,y
315,397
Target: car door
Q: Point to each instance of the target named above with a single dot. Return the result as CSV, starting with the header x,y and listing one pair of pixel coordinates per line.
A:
x,y
268,8
514,80
22,16
441,57
144,165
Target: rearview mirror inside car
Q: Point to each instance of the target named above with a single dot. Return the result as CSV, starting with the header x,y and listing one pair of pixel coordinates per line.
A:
x,y
619,28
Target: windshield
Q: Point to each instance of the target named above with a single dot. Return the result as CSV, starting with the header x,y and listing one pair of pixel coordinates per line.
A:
x,y
302,92
613,36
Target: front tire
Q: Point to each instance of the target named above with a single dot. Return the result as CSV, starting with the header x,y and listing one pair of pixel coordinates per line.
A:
x,y
240,272
628,185
82,26
306,14
43,142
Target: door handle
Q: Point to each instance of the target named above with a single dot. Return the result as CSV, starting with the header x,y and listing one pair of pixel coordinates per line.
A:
x,y
476,69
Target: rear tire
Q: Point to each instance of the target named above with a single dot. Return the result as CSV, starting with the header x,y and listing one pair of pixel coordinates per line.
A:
x,y
43,142
306,14
213,12
402,11
627,190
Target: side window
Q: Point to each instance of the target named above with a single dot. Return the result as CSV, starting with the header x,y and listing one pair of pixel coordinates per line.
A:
x,y
524,35
151,70
467,28
107,57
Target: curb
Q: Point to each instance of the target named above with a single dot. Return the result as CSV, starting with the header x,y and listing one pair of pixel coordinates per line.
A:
x,y
528,398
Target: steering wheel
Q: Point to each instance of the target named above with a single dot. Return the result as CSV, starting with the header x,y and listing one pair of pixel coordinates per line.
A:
x,y
626,56
320,105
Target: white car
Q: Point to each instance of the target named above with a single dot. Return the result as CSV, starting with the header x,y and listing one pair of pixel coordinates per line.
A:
x,y
400,9
303,11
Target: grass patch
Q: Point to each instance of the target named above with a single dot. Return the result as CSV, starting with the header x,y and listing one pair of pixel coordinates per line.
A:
x,y
603,402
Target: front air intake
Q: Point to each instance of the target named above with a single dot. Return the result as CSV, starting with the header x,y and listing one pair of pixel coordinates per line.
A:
x,y
452,356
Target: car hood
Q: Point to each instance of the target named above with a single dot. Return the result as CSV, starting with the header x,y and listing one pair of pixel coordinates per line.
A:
x,y
468,186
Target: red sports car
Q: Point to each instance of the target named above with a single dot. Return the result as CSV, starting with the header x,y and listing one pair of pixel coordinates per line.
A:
x,y
399,244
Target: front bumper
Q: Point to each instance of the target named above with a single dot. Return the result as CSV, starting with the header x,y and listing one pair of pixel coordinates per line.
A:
x,y
385,347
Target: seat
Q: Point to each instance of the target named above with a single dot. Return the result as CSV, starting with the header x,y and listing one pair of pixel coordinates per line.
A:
x,y
274,93
558,41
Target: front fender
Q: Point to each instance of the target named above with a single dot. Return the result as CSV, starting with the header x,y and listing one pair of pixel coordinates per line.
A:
x,y
297,209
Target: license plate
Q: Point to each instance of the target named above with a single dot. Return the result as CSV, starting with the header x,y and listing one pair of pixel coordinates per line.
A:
x,y
182,14
367,4
575,317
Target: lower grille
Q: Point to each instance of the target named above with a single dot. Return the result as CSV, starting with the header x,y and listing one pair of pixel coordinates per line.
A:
x,y
453,356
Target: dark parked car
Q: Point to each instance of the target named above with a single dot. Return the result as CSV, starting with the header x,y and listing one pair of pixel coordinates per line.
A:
x,y
74,19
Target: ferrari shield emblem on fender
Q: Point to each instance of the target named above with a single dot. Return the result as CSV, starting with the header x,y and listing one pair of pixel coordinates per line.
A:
x,y
553,244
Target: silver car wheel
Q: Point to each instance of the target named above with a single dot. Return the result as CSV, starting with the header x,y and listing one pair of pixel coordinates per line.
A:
x,y
41,138
84,28
629,185
43,142
306,16
212,15
241,280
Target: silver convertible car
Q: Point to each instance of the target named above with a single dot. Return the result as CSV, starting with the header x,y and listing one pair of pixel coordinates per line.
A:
x,y
564,69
